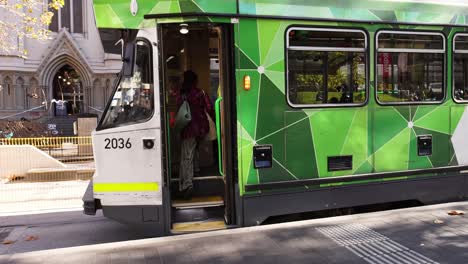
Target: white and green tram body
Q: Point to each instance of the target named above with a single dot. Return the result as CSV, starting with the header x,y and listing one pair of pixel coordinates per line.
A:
x,y
318,106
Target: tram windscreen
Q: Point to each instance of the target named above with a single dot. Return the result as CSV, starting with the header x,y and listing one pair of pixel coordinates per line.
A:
x,y
132,101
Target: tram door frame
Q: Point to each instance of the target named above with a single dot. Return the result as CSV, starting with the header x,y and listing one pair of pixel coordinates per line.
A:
x,y
228,119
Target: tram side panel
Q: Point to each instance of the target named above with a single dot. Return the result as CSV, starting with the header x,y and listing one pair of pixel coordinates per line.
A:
x,y
302,138
305,141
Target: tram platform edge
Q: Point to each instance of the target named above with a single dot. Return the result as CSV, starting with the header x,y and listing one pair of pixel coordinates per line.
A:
x,y
410,234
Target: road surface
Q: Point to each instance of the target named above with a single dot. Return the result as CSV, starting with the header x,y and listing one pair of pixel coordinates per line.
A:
x,y
59,230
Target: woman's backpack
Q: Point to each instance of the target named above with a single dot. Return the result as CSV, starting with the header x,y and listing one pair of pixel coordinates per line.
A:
x,y
183,116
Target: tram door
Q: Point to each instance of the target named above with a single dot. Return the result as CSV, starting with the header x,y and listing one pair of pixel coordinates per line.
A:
x,y
196,61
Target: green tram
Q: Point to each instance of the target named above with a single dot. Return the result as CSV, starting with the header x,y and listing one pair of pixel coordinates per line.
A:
x,y
318,106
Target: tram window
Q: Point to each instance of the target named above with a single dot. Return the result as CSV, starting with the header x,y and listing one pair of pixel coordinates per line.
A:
x,y
460,68
410,67
326,67
133,100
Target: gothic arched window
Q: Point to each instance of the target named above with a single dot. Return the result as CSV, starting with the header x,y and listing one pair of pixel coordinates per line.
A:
x,y
70,16
19,93
8,94
34,93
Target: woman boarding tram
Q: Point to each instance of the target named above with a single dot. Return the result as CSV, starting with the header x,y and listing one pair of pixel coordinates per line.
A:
x,y
194,132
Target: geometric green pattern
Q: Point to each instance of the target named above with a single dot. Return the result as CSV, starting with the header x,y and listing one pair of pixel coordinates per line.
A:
x,y
116,13
380,138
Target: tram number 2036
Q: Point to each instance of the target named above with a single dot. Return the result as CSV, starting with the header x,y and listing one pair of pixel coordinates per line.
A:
x,y
117,143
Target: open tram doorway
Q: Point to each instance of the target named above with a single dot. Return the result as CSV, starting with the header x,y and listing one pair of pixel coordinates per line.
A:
x,y
200,54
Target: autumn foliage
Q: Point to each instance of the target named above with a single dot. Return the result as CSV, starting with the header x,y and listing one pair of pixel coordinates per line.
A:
x,y
24,19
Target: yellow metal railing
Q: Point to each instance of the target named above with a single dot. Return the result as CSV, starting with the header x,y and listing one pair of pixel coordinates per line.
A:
x,y
56,146
47,142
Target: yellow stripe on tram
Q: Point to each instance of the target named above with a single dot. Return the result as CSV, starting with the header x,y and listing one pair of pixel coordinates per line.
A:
x,y
126,187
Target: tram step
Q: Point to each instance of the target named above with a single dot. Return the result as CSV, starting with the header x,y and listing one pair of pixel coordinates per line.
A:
x,y
198,202
197,214
202,178
198,226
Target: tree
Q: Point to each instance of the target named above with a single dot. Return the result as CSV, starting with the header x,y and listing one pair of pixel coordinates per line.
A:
x,y
24,19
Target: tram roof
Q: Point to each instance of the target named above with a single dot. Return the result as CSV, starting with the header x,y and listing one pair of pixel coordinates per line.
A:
x,y
117,13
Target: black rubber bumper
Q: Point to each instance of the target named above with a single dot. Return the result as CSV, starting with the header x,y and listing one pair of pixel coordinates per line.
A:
x,y
90,205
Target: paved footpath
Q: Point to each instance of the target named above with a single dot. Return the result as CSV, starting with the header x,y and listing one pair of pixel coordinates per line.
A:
x,y
24,197
414,235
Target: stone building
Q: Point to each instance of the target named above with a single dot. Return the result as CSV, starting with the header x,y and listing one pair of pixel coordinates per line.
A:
x,y
70,67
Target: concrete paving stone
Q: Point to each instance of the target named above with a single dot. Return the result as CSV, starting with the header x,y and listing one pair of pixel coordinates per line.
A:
x,y
298,244
303,258
415,235
260,257
119,256
458,222
136,256
291,248
199,252
175,253
454,245
199,257
83,257
16,259
231,259
459,229
433,249
5,259
439,254
411,236
152,255
214,254
379,215
253,240
374,224
456,230
101,257
340,255
443,214
424,217
220,243
223,249
302,243
450,230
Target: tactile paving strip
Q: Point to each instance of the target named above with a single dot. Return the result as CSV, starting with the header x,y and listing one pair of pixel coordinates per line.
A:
x,y
372,246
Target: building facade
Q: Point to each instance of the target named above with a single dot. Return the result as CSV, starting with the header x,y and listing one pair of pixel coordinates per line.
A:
x,y
64,77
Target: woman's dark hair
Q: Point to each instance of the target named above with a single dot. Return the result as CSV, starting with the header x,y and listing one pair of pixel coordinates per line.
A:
x,y
190,79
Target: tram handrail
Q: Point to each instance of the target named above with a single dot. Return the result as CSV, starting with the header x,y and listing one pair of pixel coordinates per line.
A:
x,y
218,134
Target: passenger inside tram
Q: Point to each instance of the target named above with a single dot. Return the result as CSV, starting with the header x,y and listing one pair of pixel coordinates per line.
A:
x,y
192,75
